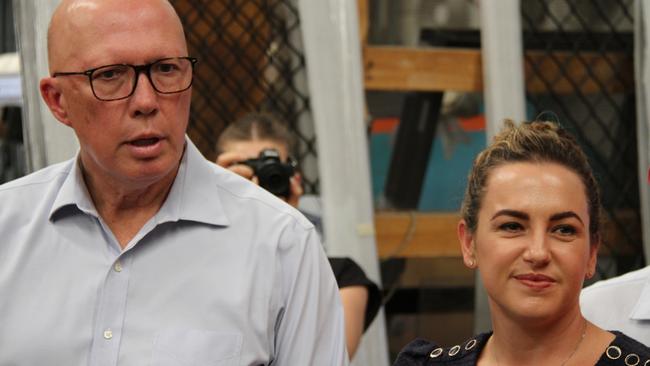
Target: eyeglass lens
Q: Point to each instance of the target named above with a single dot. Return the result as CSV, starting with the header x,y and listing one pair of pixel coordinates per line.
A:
x,y
117,81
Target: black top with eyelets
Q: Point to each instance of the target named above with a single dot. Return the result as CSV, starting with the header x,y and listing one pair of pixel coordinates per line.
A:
x,y
622,351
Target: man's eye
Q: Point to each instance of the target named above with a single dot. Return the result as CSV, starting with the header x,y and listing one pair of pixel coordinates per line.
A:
x,y
165,68
108,74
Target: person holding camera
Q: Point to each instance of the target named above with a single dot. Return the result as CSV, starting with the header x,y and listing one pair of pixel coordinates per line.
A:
x,y
257,147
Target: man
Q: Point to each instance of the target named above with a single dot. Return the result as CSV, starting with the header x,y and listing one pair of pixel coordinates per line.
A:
x,y
621,303
139,251
245,139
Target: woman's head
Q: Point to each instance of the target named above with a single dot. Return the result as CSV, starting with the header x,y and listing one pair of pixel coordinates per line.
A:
x,y
535,142
531,222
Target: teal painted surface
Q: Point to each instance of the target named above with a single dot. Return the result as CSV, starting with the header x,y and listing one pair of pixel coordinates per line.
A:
x,y
445,178
381,147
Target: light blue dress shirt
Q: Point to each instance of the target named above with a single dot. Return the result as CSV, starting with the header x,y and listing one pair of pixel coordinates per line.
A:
x,y
224,274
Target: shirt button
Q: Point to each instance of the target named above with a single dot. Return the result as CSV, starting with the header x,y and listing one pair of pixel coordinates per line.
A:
x,y
117,266
108,334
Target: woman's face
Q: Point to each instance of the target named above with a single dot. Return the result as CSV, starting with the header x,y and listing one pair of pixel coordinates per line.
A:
x,y
532,242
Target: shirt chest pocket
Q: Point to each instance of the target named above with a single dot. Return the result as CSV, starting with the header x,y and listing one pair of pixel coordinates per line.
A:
x,y
196,348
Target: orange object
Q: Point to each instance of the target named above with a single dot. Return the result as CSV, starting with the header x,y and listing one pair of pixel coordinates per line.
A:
x,y
472,124
385,125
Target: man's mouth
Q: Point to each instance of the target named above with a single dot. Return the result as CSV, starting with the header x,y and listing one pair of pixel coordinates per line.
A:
x,y
145,142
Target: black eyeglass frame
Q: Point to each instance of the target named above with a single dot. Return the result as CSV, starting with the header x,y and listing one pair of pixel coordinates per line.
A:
x,y
146,68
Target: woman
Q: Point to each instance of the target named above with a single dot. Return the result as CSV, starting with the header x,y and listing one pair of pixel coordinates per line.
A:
x,y
530,223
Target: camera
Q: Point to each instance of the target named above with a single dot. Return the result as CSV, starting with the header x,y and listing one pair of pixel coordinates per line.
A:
x,y
272,173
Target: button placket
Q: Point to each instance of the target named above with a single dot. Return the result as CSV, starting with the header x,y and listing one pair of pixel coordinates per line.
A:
x,y
111,312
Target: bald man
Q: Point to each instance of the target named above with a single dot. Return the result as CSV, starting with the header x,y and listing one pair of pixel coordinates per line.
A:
x,y
139,251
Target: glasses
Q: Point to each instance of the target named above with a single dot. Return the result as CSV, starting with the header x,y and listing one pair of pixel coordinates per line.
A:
x,y
115,82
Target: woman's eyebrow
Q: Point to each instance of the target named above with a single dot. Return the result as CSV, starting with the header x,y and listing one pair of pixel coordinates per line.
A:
x,y
513,213
564,215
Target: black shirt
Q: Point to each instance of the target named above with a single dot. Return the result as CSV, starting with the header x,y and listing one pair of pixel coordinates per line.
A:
x,y
348,273
622,351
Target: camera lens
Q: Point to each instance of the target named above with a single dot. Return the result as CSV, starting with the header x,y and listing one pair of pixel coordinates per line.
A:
x,y
274,179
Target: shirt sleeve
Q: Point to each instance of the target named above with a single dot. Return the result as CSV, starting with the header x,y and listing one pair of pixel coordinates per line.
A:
x,y
310,329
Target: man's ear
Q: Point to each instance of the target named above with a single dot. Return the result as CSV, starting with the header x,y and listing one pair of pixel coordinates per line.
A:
x,y
54,98
467,245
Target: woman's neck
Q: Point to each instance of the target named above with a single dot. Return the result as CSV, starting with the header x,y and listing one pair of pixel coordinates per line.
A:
x,y
518,341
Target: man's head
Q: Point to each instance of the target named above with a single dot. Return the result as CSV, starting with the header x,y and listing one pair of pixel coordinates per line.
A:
x,y
132,141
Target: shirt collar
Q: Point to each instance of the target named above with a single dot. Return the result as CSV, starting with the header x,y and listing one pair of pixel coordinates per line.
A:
x,y
73,192
194,195
641,310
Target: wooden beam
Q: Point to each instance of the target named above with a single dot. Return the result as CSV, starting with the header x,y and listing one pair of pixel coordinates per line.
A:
x,y
454,69
363,10
422,69
416,234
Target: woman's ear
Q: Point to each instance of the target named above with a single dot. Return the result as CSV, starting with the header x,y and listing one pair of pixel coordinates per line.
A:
x,y
594,245
467,245
54,98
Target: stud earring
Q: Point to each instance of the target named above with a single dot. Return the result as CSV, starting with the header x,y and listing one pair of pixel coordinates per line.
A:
x,y
471,263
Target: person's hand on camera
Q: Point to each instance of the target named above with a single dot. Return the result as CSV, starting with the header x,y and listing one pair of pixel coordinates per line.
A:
x,y
295,190
232,160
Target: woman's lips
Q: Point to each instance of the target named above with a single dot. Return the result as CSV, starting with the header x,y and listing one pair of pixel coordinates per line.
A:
x,y
535,280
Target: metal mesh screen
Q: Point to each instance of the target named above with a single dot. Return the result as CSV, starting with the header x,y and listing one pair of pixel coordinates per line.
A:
x,y
250,59
579,64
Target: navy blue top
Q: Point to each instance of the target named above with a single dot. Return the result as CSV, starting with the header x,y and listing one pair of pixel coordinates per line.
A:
x,y
622,351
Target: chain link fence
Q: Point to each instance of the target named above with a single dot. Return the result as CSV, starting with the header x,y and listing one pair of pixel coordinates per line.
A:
x,y
250,59
579,64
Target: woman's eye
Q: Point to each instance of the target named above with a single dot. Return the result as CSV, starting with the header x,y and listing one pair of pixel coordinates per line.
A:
x,y
511,227
565,230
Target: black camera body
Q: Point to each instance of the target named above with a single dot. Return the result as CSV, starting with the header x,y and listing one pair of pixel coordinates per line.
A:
x,y
272,173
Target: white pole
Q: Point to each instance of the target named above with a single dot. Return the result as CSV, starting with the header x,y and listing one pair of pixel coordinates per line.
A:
x,y
333,55
642,72
46,140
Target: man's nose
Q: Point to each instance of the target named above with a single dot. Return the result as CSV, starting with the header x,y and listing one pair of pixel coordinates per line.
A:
x,y
145,96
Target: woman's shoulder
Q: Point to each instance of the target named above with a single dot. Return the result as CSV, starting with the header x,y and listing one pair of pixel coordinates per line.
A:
x,y
625,351
423,352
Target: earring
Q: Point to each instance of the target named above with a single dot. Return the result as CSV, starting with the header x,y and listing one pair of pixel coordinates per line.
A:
x,y
471,263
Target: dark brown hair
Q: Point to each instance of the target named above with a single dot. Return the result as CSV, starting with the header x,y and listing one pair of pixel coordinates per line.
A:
x,y
538,142
256,126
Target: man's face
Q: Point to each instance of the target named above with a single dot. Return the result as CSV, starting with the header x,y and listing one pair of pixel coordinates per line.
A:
x,y
134,141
